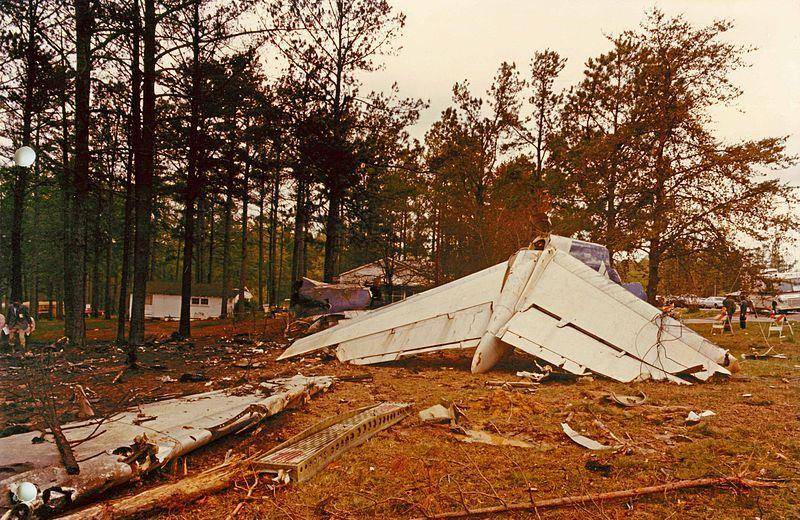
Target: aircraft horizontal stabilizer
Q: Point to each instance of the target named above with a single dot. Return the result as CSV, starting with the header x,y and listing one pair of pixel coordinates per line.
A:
x,y
546,303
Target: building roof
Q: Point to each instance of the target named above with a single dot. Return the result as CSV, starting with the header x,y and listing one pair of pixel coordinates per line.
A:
x,y
409,272
213,290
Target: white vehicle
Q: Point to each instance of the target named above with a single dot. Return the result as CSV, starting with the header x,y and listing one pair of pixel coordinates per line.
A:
x,y
710,302
783,288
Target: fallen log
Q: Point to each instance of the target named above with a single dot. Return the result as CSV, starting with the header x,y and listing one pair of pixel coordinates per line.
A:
x,y
174,494
553,503
64,449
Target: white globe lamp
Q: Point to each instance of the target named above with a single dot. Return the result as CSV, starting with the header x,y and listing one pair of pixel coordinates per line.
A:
x,y
24,156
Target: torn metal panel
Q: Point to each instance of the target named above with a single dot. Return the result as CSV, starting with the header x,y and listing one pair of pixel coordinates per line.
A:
x,y
584,441
436,414
694,417
124,447
307,453
563,309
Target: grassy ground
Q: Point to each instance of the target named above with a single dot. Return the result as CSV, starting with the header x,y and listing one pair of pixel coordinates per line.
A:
x,y
412,469
99,329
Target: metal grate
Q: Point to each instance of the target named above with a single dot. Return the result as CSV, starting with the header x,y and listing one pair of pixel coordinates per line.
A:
x,y
304,455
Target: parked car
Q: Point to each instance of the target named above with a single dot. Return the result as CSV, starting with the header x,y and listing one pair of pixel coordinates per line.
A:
x,y
683,300
711,302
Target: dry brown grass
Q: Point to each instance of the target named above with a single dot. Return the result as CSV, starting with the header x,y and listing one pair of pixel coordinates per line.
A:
x,y
411,468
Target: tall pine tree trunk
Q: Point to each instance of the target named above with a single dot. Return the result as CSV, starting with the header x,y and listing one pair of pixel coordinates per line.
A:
x,y
192,180
107,296
199,242
80,176
282,242
20,185
34,305
261,197
96,255
210,242
273,233
132,172
653,266
144,182
299,237
127,236
65,300
332,231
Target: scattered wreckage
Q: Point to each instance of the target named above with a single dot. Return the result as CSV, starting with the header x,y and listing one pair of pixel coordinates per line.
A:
x,y
560,301
332,298
304,455
115,450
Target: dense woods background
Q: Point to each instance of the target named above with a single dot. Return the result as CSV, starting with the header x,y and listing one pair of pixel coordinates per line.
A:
x,y
232,143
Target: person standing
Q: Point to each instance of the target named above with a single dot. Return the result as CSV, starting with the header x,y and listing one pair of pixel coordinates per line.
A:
x,y
743,313
730,309
19,323
4,343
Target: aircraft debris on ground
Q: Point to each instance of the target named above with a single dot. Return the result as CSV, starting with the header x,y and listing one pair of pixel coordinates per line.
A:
x,y
333,297
694,417
584,441
114,450
306,454
560,301
627,400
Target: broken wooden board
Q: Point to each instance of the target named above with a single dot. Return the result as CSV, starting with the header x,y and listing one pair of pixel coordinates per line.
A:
x,y
123,447
304,455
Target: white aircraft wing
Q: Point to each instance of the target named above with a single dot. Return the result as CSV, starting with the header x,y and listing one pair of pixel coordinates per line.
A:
x,y
454,315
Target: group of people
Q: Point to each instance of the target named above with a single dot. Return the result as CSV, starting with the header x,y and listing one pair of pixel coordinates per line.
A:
x,y
730,305
16,325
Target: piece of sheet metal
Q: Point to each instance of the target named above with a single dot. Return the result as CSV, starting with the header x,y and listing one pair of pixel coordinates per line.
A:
x,y
584,441
304,455
122,447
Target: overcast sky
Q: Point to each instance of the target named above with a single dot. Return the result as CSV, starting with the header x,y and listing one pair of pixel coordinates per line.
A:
x,y
450,40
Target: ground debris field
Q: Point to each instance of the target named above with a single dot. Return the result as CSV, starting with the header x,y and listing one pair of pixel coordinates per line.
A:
x,y
415,470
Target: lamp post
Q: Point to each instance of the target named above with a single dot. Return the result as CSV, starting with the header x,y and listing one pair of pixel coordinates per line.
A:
x,y
24,158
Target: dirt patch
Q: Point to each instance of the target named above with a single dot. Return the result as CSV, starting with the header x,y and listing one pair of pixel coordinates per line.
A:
x,y
412,468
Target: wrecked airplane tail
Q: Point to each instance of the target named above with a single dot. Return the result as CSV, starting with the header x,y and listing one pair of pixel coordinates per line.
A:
x,y
554,305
